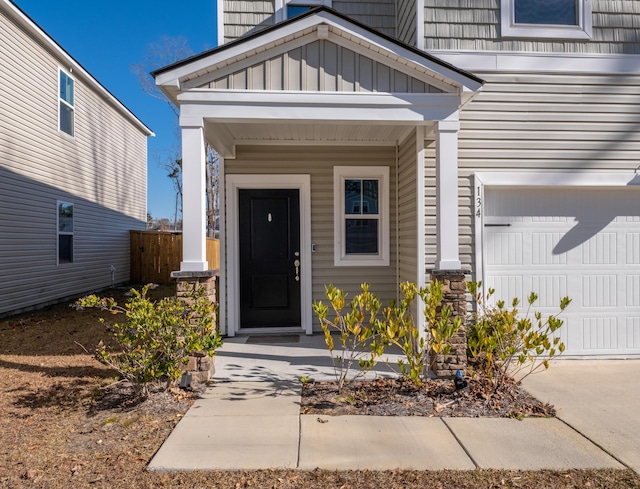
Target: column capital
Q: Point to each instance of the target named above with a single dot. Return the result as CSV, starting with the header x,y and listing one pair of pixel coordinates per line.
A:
x,y
191,122
447,126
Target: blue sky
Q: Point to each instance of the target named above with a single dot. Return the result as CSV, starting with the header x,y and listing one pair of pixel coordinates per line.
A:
x,y
107,38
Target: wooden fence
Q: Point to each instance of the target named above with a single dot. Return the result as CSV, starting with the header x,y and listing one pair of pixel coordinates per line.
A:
x,y
155,254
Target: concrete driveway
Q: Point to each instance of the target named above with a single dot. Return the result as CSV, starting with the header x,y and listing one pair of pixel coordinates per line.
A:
x,y
598,398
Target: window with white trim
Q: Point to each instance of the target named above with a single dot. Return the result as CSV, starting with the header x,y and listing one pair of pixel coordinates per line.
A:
x,y
361,215
65,232
546,19
66,103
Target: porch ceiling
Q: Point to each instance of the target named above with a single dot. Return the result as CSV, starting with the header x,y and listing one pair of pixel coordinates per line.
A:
x,y
303,133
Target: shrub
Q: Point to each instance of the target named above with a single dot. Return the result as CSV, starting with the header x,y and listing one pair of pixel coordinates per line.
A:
x,y
358,339
158,337
365,332
399,328
504,344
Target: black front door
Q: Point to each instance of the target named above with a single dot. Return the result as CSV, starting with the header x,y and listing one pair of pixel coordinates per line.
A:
x,y
269,226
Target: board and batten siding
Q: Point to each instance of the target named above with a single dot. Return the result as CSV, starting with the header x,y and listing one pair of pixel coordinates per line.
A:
x,y
407,211
475,26
318,162
101,170
321,66
540,122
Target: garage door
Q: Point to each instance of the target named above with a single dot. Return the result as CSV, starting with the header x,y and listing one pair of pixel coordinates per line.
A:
x,y
583,243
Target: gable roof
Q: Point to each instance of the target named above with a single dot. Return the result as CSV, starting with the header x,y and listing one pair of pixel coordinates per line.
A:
x,y
17,15
173,76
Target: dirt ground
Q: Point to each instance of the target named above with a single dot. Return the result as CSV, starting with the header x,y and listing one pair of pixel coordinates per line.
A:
x,y
65,422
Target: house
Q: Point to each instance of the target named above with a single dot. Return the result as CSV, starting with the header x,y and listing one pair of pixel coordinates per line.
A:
x,y
381,141
72,172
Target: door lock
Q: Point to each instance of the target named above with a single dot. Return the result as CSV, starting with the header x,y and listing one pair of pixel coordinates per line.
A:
x,y
297,265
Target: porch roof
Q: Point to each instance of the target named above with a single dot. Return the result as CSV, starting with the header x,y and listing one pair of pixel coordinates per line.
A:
x,y
245,92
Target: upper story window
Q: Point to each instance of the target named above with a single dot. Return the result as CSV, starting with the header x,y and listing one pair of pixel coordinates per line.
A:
x,y
361,216
65,232
546,19
285,9
66,110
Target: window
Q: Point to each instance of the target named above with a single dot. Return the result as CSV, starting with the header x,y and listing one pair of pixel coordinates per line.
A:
x,y
361,214
65,232
66,104
549,19
286,9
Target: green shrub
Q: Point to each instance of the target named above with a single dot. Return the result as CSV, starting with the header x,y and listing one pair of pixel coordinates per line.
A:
x,y
365,332
503,344
399,328
356,332
157,337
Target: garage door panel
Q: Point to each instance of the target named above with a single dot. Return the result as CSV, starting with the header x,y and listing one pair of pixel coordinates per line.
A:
x,y
600,333
583,243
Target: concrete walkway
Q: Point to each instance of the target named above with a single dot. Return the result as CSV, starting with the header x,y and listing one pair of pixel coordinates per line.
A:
x,y
249,419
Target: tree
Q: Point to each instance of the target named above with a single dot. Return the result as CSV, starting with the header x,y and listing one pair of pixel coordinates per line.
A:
x,y
165,51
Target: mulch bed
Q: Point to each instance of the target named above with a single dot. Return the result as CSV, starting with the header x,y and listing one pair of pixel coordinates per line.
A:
x,y
399,397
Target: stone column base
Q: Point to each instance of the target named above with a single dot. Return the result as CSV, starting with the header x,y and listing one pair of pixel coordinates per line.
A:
x,y
454,294
200,367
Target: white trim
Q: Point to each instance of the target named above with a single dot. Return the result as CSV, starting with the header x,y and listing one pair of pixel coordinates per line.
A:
x,y
223,249
421,223
520,62
536,179
220,21
340,174
233,184
315,142
420,41
509,27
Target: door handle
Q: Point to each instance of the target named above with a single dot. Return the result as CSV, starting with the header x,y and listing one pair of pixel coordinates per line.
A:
x,y
297,265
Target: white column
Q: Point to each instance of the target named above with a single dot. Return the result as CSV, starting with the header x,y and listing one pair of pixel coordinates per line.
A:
x,y
194,243
447,254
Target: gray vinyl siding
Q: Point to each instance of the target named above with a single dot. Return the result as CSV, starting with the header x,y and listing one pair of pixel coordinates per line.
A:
x,y
377,14
541,123
475,25
318,161
102,171
321,66
406,20
242,17
407,211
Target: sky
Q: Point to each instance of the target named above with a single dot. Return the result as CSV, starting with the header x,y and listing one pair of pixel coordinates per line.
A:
x,y
106,38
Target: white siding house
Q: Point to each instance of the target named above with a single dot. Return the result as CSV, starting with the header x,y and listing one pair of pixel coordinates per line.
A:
x,y
510,134
72,172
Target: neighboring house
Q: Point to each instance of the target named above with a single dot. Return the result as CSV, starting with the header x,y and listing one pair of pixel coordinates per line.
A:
x,y
499,137
72,172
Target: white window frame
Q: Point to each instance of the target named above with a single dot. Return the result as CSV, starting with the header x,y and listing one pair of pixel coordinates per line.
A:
x,y
281,6
509,28
340,175
64,233
71,106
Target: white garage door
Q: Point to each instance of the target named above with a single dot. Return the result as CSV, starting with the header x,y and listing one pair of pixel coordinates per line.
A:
x,y
583,243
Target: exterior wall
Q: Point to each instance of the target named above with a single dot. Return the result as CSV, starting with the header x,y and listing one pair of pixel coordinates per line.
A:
x,y
407,209
406,21
243,17
539,122
321,66
377,14
102,171
455,25
318,161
